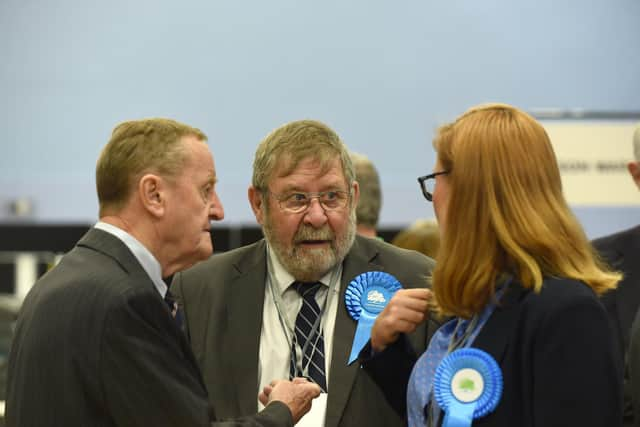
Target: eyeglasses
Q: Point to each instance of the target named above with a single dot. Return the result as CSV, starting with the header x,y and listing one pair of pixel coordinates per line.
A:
x,y
428,183
300,202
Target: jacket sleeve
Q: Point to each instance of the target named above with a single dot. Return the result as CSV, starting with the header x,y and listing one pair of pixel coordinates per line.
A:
x,y
391,369
149,377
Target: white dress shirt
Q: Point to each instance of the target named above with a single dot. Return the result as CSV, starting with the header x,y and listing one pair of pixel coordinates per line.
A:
x,y
275,348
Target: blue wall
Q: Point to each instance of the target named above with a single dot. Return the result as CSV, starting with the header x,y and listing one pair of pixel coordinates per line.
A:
x,y
384,74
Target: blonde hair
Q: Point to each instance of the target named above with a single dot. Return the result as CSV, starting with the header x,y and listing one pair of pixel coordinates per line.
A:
x,y
137,147
506,213
297,141
422,236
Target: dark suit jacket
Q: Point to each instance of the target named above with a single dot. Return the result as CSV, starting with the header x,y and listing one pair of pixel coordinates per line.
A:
x,y
95,345
633,386
558,362
622,252
223,300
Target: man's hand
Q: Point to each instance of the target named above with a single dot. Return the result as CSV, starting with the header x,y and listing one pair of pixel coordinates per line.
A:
x,y
296,394
407,309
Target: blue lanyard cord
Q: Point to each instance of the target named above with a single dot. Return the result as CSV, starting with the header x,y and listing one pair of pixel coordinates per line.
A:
x,y
462,336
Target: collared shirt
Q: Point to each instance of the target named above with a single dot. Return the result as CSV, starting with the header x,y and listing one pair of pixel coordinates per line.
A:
x,y
149,263
275,350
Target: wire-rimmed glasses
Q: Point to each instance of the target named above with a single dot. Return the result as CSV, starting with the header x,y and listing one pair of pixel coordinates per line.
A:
x,y
298,202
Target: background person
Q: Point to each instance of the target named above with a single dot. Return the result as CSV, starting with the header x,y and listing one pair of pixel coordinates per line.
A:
x,y
98,340
422,236
370,202
621,251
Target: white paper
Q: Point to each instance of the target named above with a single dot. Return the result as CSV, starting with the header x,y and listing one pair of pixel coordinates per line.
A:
x,y
315,417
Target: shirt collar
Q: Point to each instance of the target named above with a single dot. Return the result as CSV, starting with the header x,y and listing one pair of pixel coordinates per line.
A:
x,y
283,278
149,263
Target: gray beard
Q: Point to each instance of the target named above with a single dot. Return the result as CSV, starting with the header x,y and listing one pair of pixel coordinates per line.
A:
x,y
311,265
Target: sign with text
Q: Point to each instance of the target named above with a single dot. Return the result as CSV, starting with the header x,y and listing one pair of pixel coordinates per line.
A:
x,y
593,158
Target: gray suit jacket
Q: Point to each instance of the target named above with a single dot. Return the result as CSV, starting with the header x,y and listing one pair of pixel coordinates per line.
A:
x,y
223,299
95,345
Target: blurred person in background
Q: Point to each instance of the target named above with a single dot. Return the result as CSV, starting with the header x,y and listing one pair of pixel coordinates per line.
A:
x,y
621,250
422,236
370,202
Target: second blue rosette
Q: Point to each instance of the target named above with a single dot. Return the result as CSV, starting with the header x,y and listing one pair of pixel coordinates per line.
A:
x,y
467,384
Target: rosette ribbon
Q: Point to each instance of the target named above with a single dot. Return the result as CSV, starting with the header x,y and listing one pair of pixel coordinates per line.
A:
x,y
467,384
365,297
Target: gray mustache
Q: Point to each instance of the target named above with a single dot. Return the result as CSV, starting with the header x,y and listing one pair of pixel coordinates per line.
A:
x,y
312,234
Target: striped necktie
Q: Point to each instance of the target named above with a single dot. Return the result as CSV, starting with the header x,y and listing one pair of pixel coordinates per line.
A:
x,y
174,308
310,339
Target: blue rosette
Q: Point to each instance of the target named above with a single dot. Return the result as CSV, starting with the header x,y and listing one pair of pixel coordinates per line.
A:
x,y
366,296
467,384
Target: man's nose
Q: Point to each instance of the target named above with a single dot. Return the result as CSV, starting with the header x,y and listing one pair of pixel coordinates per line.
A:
x,y
216,210
315,214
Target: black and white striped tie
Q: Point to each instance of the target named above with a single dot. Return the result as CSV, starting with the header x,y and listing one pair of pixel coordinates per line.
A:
x,y
309,338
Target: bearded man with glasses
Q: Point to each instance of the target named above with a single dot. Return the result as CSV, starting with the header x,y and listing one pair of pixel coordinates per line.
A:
x,y
276,307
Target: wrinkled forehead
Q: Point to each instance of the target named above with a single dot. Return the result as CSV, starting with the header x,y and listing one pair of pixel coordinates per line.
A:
x,y
287,164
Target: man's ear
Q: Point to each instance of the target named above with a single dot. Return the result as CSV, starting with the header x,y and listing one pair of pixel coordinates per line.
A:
x,y
152,194
256,201
355,191
634,170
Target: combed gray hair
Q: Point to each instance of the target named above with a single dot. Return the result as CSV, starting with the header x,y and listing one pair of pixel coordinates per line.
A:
x,y
295,142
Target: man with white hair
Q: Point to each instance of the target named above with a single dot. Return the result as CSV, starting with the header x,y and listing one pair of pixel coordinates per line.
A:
x,y
621,251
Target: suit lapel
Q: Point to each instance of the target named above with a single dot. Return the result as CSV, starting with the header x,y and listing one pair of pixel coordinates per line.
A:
x,y
494,336
342,376
113,247
244,312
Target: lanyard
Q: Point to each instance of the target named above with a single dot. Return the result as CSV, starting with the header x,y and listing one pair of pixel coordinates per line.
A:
x,y
285,324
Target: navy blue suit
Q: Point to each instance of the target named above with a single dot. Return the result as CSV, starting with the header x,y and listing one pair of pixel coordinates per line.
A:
x,y
555,350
